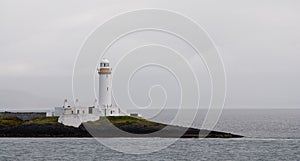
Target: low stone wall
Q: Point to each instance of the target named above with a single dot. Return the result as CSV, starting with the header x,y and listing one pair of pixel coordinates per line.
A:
x,y
24,115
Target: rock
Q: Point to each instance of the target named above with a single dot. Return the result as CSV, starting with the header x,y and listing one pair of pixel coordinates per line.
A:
x,y
117,126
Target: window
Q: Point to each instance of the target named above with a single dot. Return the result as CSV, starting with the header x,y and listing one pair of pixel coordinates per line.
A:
x,y
90,110
77,111
111,112
106,88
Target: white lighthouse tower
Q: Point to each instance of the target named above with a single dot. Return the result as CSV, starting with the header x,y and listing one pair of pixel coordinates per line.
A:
x,y
105,102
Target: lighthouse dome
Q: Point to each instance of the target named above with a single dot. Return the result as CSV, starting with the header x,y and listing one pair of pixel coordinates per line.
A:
x,y
104,60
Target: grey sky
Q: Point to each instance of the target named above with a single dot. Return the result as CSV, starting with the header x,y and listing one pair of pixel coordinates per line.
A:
x,y
258,41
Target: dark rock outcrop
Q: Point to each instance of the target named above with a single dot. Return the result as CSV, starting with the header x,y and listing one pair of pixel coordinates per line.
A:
x,y
107,127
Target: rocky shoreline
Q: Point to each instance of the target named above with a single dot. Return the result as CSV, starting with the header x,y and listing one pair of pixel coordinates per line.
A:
x,y
122,126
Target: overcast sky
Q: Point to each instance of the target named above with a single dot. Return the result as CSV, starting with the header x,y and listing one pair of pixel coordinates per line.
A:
x,y
259,42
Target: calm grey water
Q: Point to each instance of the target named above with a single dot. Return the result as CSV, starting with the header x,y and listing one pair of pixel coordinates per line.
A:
x,y
271,135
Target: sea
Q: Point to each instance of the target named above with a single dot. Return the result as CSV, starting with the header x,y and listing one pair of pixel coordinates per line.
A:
x,y
270,134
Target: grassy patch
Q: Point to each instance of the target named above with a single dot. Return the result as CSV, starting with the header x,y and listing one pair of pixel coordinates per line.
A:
x,y
122,120
43,120
116,120
10,121
129,120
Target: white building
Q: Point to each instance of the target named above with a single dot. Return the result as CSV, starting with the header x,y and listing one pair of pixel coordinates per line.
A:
x,y
74,116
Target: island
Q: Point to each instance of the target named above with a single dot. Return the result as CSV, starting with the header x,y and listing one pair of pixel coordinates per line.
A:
x,y
117,126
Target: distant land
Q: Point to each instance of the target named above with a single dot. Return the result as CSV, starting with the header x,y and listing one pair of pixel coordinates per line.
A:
x,y
115,126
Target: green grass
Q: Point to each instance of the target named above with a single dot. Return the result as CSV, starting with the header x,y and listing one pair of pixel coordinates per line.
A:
x,y
129,120
12,121
116,120
122,120
43,120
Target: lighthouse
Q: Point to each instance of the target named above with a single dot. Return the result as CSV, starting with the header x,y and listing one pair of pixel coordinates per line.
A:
x,y
105,101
